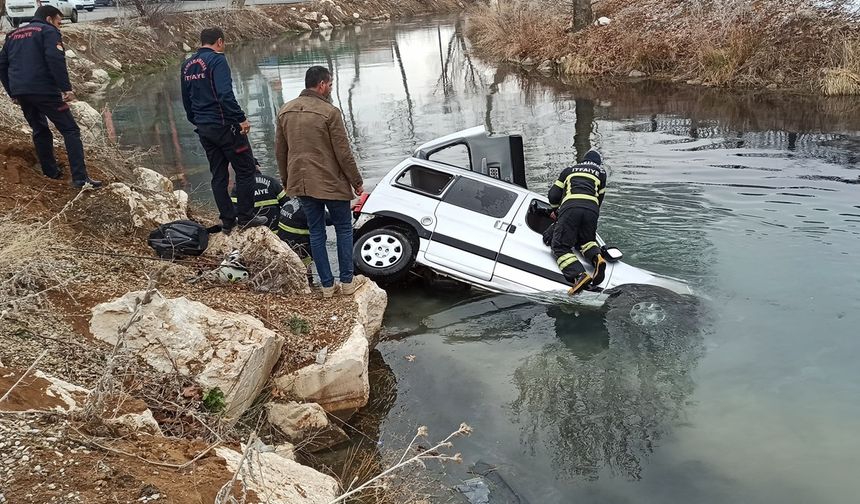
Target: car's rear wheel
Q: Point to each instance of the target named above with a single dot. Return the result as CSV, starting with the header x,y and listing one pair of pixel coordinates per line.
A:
x,y
385,255
74,17
15,22
90,9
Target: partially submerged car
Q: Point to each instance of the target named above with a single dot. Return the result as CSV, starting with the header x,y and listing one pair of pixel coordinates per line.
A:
x,y
460,207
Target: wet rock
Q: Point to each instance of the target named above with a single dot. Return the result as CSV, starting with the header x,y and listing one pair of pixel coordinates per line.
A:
x,y
88,119
273,265
233,352
326,26
636,74
118,208
279,480
306,424
152,180
371,301
101,76
313,17
340,385
301,25
546,67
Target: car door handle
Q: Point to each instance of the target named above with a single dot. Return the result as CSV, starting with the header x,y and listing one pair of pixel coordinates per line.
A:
x,y
504,226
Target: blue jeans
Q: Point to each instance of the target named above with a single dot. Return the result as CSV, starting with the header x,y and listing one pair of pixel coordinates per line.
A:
x,y
341,218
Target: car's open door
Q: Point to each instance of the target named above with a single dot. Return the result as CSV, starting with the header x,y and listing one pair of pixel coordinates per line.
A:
x,y
500,157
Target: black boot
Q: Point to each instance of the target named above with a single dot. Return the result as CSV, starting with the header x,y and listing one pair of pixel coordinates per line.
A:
x,y
252,222
81,183
228,225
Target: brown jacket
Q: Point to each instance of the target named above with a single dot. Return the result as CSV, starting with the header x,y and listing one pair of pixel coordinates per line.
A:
x,y
313,151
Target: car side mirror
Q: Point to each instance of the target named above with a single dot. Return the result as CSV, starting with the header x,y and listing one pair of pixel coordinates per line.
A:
x,y
612,254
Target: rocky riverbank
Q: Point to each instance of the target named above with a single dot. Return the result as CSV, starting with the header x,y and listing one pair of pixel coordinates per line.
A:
x,y
797,45
132,379
154,372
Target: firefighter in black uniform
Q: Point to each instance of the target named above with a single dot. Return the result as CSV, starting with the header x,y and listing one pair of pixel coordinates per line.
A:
x,y
268,196
211,106
34,74
577,195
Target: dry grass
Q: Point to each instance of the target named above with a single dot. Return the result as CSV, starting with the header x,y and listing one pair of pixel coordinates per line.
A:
x,y
844,77
725,43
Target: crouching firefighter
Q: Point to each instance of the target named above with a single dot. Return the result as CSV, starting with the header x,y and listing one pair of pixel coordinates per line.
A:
x,y
578,194
268,196
293,229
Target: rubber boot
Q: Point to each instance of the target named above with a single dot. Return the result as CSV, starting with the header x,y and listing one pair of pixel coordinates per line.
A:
x,y
599,270
580,282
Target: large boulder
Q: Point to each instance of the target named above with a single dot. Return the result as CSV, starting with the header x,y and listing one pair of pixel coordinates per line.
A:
x,y
273,265
340,385
151,180
306,425
120,209
88,119
371,301
278,480
232,352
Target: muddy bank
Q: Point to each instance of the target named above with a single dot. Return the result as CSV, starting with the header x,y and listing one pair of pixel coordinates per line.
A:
x,y
793,45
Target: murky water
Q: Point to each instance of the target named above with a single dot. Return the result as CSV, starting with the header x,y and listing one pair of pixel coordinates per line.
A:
x,y
751,396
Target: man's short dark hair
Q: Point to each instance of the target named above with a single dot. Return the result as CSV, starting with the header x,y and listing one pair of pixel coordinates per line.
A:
x,y
211,35
47,11
315,75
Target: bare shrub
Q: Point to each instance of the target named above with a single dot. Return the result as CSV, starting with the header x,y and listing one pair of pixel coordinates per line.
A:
x,y
153,12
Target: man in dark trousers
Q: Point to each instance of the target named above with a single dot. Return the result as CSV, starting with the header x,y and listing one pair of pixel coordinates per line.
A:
x,y
34,74
207,94
317,166
578,194
268,196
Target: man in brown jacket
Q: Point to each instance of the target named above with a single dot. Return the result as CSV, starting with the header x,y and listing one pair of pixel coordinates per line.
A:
x,y
317,165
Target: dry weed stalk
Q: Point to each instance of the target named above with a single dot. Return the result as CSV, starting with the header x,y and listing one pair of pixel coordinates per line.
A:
x,y
225,495
432,453
106,386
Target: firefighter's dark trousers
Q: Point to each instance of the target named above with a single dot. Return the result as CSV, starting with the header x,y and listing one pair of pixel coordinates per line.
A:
x,y
38,110
226,145
576,229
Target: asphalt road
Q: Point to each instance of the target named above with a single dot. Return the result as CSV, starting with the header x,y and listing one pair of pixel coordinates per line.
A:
x,y
113,12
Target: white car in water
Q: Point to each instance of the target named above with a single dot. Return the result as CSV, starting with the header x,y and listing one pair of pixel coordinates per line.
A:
x,y
459,206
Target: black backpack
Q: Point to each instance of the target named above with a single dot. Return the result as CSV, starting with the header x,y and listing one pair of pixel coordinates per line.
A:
x,y
180,238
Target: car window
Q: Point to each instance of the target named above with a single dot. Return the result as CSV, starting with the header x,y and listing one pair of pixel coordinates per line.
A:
x,y
424,180
479,197
455,155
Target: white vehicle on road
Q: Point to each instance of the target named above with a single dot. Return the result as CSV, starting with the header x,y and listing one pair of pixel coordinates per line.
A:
x,y
22,11
80,5
459,206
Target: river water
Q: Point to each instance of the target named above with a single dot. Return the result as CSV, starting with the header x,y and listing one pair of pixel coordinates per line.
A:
x,y
750,395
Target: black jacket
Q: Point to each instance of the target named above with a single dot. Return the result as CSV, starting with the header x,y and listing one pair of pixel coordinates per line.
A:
x,y
582,185
33,61
268,195
293,223
207,90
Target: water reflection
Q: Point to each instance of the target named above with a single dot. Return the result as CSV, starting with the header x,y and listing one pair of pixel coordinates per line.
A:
x,y
602,400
